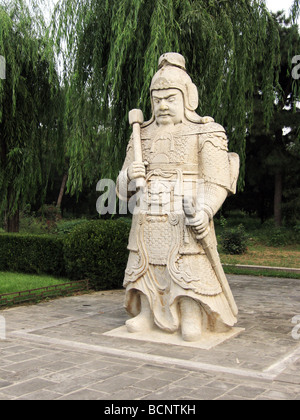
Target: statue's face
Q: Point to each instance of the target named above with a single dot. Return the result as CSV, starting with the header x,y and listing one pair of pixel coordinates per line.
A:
x,y
168,106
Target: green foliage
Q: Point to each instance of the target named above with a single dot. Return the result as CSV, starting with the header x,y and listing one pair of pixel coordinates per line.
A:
x,y
97,250
278,237
65,227
43,221
50,212
49,216
29,224
266,234
111,54
234,240
297,228
273,154
31,254
295,10
31,107
270,235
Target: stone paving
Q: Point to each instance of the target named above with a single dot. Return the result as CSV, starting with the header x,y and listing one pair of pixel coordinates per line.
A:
x,y
56,350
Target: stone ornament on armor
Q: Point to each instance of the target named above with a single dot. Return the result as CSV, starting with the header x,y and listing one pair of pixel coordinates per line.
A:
x,y
174,279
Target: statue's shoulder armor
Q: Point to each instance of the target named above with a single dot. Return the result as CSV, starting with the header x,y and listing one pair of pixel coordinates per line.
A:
x,y
212,127
214,134
208,131
147,129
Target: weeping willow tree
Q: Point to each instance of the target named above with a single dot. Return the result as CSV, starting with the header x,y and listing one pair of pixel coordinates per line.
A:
x,y
29,117
295,10
111,50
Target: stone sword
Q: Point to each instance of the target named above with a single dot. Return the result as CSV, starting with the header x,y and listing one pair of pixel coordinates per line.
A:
x,y
212,254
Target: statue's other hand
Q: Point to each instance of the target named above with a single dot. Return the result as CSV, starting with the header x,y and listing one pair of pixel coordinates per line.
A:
x,y
200,223
136,170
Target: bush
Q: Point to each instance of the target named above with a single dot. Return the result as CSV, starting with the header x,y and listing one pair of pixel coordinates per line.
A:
x,y
36,254
234,241
279,237
297,228
97,251
64,227
50,212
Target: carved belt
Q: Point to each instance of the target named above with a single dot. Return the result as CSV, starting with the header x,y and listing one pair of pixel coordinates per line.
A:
x,y
188,169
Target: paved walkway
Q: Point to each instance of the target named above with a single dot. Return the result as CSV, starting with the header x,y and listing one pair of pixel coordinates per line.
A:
x,y
57,350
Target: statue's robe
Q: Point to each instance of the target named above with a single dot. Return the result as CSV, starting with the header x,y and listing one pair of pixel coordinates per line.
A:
x,y
166,261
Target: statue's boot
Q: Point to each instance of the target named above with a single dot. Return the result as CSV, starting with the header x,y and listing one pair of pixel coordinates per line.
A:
x,y
191,319
144,321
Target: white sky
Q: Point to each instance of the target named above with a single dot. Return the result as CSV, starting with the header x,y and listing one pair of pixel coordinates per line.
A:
x,y
276,5
273,5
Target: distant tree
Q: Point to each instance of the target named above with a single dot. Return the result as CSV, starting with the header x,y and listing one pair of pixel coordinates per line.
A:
x,y
273,152
295,10
30,105
111,50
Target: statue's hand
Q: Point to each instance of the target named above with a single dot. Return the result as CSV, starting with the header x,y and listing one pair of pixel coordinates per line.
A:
x,y
136,170
199,224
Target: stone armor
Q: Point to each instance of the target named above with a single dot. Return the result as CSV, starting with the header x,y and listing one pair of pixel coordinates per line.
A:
x,y
166,261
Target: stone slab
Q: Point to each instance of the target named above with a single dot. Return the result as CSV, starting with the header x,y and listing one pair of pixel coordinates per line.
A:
x,y
207,342
69,352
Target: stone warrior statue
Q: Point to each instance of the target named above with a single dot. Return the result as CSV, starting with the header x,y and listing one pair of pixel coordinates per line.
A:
x,y
174,279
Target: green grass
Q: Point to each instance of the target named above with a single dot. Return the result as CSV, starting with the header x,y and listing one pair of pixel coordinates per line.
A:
x,y
262,255
16,282
16,288
261,272
267,246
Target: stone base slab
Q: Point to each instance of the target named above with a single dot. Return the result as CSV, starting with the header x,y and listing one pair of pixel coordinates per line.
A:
x,y
207,341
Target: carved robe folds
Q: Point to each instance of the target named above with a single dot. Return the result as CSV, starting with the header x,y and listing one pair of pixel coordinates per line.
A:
x,y
166,261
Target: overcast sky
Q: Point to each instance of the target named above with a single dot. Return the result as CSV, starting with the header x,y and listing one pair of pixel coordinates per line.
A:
x,y
275,5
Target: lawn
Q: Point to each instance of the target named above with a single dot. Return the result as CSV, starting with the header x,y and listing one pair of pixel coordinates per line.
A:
x,y
16,288
257,254
261,255
16,282
266,245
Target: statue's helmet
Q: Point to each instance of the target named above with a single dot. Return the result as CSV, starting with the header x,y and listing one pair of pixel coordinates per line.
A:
x,y
172,75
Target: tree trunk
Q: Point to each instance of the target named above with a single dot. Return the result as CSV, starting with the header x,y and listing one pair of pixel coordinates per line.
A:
x,y
278,199
12,223
62,190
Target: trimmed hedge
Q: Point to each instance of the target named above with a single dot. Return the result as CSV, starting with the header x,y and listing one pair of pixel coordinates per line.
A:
x,y
35,254
97,251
